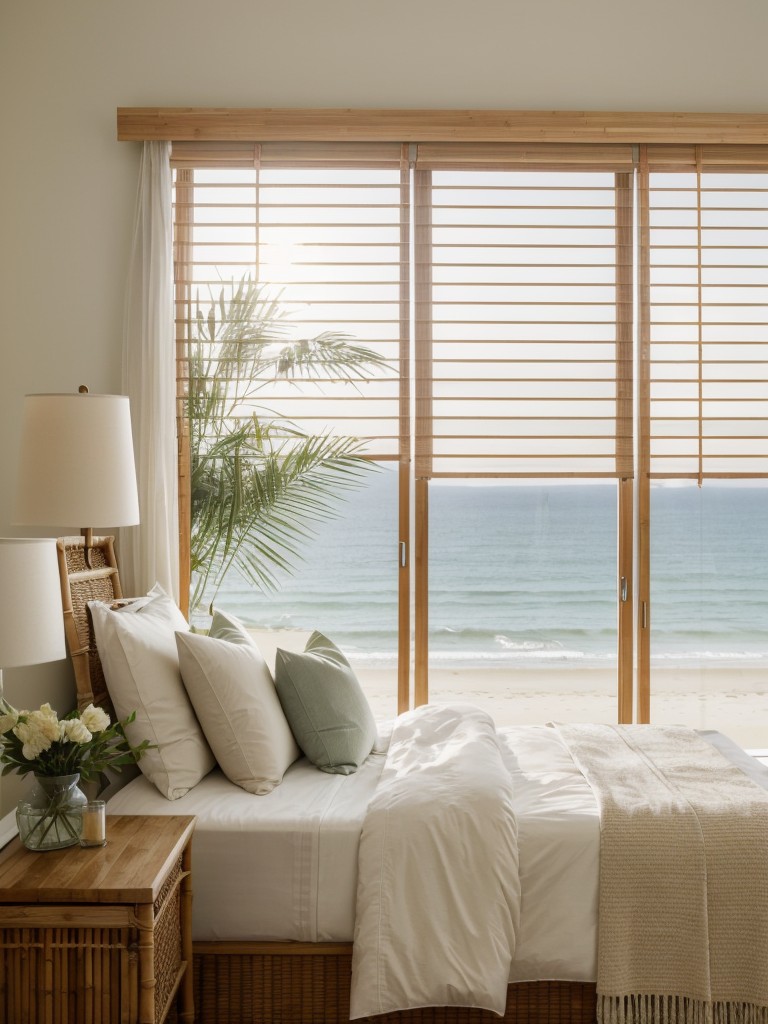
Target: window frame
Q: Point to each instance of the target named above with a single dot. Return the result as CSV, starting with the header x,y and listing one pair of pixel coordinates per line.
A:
x,y
736,137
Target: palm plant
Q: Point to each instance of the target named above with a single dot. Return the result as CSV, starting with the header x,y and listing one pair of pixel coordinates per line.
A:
x,y
258,482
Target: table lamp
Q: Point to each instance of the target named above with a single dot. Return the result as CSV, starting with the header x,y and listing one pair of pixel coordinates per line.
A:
x,y
31,626
77,464
77,469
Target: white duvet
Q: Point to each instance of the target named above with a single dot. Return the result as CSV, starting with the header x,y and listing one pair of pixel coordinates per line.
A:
x,y
438,893
284,866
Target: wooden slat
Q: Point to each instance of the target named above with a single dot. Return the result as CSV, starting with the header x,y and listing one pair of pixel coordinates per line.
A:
x,y
74,916
146,951
284,154
187,1009
643,611
625,560
191,155
711,475
201,124
624,328
265,948
404,430
424,425
738,156
528,156
182,248
404,586
421,597
423,323
523,474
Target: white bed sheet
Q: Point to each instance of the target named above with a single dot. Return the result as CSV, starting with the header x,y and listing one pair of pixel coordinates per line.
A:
x,y
284,866
279,866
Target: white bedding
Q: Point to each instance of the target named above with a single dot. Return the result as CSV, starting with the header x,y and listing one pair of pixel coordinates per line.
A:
x,y
438,892
284,866
280,866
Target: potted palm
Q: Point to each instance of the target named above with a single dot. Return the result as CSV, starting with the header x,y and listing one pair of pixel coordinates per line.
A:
x,y
258,481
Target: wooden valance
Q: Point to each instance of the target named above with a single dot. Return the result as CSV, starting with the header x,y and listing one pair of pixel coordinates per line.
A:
x,y
200,124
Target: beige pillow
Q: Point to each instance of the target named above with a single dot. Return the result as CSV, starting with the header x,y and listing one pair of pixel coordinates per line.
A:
x,y
234,696
137,647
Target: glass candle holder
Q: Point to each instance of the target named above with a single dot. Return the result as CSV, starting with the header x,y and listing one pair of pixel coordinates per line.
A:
x,y
94,832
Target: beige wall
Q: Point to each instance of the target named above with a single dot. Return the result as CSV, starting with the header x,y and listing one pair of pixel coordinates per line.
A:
x,y
67,187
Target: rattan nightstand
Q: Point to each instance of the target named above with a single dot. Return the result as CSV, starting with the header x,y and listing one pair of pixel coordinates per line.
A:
x,y
102,935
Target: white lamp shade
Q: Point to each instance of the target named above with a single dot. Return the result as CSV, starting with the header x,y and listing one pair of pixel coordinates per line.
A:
x,y
77,467
31,618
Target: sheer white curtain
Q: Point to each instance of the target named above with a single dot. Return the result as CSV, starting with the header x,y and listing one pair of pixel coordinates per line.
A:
x,y
149,552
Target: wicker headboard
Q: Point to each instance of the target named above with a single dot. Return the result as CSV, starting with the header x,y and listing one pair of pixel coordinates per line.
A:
x,y
81,583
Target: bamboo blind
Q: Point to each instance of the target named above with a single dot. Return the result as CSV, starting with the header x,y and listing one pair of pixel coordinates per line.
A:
x,y
523,265
320,230
523,311
707,256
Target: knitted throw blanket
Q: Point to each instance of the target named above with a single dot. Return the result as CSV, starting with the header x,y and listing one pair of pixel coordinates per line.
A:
x,y
683,907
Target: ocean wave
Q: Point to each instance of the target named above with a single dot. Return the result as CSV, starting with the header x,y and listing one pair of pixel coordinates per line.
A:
x,y
527,646
719,656
482,659
539,636
722,634
562,658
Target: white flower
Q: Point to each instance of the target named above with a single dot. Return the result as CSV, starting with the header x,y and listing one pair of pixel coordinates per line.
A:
x,y
95,719
74,731
34,740
31,751
45,721
40,731
8,722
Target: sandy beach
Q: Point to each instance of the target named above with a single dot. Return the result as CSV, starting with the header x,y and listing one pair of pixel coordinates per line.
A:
x,y
733,700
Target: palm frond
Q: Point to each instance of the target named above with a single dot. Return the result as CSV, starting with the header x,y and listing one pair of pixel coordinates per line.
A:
x,y
259,483
257,504
329,355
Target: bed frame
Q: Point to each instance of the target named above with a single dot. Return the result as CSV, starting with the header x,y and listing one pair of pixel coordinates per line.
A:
x,y
303,983
278,982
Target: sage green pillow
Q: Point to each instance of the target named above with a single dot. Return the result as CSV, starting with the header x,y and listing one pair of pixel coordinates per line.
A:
x,y
325,706
227,627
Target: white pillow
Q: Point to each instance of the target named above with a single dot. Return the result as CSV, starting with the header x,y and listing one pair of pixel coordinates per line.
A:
x,y
137,648
234,696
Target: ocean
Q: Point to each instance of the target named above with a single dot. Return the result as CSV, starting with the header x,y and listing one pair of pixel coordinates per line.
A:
x,y
526,575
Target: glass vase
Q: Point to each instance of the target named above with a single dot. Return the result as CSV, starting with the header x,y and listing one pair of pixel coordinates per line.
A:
x,y
51,817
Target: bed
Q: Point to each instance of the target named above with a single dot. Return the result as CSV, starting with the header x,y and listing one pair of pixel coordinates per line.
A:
x,y
275,880
275,885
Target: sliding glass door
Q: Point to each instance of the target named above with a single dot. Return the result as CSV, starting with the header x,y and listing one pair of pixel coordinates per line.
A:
x,y
293,333
704,437
523,427
501,412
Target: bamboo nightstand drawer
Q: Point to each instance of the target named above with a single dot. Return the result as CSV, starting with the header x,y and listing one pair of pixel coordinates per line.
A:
x,y
99,935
